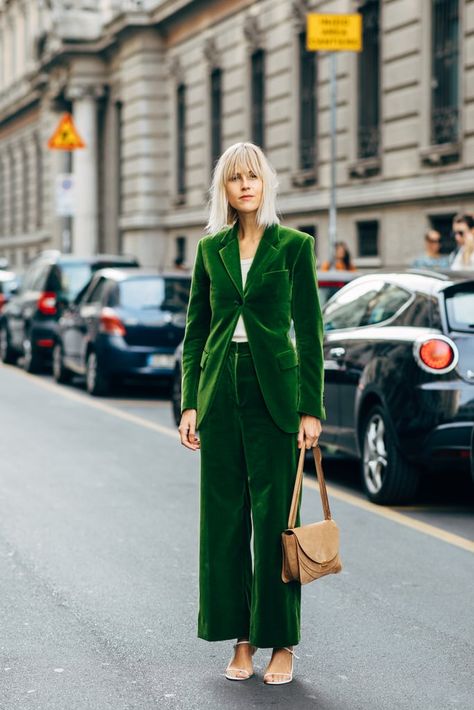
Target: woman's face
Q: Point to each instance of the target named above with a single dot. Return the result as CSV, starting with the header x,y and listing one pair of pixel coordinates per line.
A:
x,y
244,191
340,251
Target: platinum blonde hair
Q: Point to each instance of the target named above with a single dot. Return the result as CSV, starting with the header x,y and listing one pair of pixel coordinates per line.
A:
x,y
238,157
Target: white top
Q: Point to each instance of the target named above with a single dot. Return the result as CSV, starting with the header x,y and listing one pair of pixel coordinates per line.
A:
x,y
240,333
458,264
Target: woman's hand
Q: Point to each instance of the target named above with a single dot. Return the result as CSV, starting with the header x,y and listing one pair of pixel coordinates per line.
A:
x,y
309,431
187,429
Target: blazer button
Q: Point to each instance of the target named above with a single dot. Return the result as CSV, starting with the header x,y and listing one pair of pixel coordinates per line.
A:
x,y
238,301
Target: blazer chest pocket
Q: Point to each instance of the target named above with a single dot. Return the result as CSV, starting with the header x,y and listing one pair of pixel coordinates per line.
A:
x,y
204,357
280,275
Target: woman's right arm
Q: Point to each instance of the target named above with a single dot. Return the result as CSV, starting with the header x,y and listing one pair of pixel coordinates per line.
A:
x,y
198,321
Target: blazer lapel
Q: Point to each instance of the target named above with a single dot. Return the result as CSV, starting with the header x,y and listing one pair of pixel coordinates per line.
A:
x,y
230,255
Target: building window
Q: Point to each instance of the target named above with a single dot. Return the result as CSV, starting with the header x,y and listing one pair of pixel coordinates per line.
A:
x,y
216,115
445,72
181,139
25,190
307,108
367,238
443,223
2,194
13,190
180,258
368,132
258,97
39,183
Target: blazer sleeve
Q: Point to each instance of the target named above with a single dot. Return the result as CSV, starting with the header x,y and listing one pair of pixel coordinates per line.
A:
x,y
198,319
308,323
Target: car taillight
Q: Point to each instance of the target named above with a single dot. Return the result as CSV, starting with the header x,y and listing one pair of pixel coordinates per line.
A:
x,y
47,303
110,323
438,354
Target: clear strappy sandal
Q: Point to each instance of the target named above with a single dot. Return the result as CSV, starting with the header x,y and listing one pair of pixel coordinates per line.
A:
x,y
286,677
230,671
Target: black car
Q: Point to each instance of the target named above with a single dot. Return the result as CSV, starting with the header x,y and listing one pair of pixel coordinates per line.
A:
x,y
29,323
399,376
9,283
128,322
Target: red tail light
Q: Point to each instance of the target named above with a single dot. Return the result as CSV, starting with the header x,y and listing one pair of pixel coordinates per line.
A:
x,y
47,303
437,354
3,300
110,323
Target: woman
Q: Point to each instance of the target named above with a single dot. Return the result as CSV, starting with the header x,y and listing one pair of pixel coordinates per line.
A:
x,y
255,400
342,259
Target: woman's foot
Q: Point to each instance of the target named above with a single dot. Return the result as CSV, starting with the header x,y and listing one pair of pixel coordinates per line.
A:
x,y
280,668
241,666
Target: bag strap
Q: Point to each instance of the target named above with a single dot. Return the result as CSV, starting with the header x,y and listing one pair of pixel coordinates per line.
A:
x,y
299,481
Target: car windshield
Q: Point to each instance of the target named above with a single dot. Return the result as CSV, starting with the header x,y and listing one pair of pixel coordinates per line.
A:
x,y
460,309
155,292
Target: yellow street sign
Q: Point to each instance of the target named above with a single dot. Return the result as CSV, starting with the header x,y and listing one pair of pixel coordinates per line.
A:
x,y
66,137
334,33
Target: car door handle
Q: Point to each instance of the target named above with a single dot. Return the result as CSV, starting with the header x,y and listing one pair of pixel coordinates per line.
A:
x,y
337,353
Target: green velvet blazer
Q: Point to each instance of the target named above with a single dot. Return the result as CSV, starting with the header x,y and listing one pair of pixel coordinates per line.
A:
x,y
281,285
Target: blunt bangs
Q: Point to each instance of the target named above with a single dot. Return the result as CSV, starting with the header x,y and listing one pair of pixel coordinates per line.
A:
x,y
239,157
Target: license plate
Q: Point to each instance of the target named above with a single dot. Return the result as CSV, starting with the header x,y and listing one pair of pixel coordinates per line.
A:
x,y
160,360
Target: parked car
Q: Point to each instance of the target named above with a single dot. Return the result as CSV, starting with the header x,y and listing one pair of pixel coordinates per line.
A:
x,y
329,282
29,323
128,322
8,287
399,376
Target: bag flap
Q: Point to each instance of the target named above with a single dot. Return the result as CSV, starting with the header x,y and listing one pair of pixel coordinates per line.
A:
x,y
319,541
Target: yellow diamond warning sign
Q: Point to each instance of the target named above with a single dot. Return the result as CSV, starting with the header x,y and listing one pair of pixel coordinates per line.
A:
x,y
66,137
334,33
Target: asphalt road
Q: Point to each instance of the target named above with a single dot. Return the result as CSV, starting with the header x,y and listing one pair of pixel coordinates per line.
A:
x,y
98,576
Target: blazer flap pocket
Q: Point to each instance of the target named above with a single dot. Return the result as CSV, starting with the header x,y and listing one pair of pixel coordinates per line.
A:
x,y
279,272
287,358
204,357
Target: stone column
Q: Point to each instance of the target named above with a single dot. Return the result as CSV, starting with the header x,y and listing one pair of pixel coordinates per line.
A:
x,y
85,223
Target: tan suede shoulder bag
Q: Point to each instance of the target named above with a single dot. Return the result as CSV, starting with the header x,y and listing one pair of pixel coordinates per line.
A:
x,y
310,551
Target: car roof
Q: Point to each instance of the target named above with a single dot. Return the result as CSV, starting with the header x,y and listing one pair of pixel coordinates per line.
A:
x,y
424,280
54,257
123,273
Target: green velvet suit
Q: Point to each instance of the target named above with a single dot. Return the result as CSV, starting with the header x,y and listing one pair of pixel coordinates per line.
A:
x,y
249,397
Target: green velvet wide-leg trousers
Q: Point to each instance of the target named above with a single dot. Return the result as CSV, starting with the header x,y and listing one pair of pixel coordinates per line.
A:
x,y
248,469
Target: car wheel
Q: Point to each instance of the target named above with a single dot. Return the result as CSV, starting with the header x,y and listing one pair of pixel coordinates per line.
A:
x,y
97,382
7,355
386,476
31,358
60,373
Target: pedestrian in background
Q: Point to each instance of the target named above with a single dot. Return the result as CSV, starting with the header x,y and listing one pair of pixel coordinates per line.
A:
x,y
463,224
341,261
255,400
432,256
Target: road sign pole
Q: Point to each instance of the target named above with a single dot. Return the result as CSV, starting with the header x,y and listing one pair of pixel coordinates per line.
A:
x,y
333,190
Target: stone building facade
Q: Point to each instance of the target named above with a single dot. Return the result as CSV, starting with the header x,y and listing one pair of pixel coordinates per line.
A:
x,y
158,89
